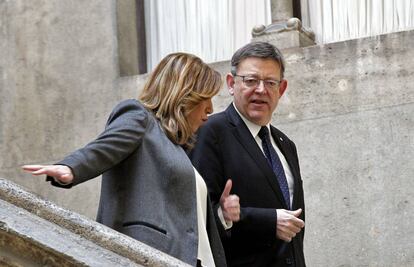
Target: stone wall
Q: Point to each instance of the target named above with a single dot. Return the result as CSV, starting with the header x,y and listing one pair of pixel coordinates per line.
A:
x,y
59,79
348,107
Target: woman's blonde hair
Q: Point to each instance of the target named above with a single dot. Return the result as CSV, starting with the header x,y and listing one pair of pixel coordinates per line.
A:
x,y
176,86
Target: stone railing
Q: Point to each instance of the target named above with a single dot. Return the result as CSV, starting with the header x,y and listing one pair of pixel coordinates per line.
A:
x,y
37,232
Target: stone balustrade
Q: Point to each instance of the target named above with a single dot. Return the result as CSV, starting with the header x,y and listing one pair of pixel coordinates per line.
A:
x,y
37,232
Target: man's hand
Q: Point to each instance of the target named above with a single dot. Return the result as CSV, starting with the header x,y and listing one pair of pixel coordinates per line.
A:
x,y
229,204
61,173
288,224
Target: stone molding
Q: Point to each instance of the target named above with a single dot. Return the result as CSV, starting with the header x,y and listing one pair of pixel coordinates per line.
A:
x,y
285,34
102,236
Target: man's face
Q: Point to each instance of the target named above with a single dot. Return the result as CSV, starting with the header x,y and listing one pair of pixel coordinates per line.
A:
x,y
256,103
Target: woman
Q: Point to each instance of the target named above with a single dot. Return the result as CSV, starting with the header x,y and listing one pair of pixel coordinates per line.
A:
x,y
150,191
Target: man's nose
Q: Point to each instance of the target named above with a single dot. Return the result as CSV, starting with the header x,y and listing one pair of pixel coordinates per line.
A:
x,y
260,88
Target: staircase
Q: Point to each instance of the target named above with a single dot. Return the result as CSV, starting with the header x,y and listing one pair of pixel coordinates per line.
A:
x,y
37,232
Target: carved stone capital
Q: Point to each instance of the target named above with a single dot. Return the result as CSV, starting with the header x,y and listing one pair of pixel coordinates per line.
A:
x,y
285,31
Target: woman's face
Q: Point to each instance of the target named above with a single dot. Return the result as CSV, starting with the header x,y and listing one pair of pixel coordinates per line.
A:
x,y
199,114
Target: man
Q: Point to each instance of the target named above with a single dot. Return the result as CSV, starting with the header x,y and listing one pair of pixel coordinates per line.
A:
x,y
235,144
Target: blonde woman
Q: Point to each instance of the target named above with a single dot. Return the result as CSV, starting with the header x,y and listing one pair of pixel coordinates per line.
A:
x,y
150,190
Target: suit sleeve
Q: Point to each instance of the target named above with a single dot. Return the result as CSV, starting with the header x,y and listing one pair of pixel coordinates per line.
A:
x,y
207,160
122,135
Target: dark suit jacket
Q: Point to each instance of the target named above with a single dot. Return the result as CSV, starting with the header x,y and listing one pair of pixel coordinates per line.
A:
x,y
148,184
225,149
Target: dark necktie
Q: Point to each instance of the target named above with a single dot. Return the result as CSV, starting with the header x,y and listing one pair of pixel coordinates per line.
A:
x,y
274,162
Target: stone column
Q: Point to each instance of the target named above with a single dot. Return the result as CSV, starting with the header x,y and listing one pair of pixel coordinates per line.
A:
x,y
131,37
282,10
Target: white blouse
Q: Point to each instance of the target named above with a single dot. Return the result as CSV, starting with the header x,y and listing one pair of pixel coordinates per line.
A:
x,y
204,251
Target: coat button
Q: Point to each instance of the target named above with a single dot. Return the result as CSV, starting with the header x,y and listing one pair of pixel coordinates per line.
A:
x,y
289,261
190,230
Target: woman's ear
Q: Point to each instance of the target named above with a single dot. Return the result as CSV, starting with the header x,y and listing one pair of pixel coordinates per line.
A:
x,y
230,83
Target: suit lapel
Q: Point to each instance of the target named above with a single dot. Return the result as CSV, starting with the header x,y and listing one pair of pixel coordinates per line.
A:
x,y
243,135
286,150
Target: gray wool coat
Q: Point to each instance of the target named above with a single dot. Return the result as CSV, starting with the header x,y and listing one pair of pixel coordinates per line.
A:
x,y
148,184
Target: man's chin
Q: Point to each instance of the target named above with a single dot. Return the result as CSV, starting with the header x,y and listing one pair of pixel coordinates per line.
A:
x,y
258,118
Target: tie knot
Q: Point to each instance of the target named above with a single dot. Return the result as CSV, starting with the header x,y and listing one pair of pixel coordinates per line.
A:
x,y
264,132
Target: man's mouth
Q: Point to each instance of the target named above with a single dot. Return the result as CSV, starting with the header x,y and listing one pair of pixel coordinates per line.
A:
x,y
258,102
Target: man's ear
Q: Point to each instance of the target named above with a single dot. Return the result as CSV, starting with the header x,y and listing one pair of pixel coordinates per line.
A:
x,y
230,83
282,87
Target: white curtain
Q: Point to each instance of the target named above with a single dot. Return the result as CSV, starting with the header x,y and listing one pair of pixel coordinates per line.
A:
x,y
210,29
338,20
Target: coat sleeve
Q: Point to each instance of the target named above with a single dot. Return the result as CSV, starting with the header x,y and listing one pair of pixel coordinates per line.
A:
x,y
123,134
207,160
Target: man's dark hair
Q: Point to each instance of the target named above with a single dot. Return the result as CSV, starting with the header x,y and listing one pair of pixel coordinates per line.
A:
x,y
257,49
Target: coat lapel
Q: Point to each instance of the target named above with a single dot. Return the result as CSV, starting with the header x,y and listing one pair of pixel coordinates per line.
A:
x,y
286,150
243,135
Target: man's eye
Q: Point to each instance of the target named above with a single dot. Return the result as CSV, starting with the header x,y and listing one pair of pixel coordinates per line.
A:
x,y
250,80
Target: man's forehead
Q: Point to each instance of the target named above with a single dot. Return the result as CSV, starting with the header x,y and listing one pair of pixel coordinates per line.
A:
x,y
265,66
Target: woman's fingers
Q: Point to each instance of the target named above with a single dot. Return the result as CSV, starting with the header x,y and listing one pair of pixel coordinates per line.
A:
x,y
60,172
31,168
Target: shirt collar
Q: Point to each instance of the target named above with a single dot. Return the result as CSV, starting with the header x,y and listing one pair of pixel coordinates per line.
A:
x,y
253,128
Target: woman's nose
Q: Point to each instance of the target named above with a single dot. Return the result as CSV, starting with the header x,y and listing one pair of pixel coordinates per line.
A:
x,y
209,108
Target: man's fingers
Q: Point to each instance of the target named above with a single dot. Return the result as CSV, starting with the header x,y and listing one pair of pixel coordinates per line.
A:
x,y
232,214
235,217
295,222
227,189
286,234
288,224
300,223
294,229
232,201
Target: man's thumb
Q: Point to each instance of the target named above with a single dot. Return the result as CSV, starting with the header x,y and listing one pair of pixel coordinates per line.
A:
x,y
227,188
296,213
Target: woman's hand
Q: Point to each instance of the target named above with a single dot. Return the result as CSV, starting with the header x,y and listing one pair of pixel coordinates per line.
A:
x,y
61,173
